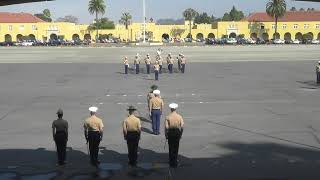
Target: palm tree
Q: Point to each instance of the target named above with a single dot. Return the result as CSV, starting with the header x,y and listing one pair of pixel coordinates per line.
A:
x,y
125,19
189,15
276,9
97,7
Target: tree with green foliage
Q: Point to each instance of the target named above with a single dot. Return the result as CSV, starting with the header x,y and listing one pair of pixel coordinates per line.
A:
x,y
189,15
276,9
293,9
125,19
103,23
45,15
68,18
204,18
97,7
233,15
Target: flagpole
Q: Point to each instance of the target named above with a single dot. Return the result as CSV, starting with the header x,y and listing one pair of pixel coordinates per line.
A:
x,y
144,20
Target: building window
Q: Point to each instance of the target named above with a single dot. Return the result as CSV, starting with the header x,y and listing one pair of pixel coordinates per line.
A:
x,y
273,26
295,26
284,26
21,27
262,27
10,28
250,26
306,26
34,27
317,26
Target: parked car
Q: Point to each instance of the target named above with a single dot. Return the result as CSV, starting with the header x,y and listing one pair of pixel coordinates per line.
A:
x,y
210,41
296,41
306,41
242,41
251,41
200,40
278,41
315,41
221,41
231,41
27,43
260,41
6,44
288,41
188,40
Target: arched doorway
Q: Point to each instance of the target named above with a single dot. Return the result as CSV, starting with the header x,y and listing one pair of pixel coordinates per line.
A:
x,y
19,37
87,37
200,36
318,36
232,35
287,36
75,37
265,36
276,36
311,35
298,36
165,36
53,37
254,36
32,37
211,36
7,38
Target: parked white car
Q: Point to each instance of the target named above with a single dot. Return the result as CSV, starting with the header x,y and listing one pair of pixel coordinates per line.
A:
x,y
296,41
315,41
251,41
278,41
27,43
231,41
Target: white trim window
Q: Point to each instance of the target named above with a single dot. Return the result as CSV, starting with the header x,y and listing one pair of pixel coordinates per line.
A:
x,y
284,26
273,26
317,26
295,26
34,27
306,26
10,27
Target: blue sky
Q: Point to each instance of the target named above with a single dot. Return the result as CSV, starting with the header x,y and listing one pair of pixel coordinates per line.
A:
x,y
156,8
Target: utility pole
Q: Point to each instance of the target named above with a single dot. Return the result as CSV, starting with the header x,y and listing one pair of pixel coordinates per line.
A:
x,y
144,20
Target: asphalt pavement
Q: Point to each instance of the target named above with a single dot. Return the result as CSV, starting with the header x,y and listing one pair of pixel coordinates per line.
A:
x,y
250,113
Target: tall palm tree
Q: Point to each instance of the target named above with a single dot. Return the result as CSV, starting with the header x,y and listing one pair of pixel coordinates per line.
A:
x,y
189,15
125,19
97,7
276,9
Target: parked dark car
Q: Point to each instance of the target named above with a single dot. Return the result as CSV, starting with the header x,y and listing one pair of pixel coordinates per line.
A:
x,y
221,41
306,41
242,41
261,41
210,41
7,44
288,41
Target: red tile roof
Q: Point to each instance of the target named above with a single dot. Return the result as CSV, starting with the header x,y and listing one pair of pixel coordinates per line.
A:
x,y
290,16
18,18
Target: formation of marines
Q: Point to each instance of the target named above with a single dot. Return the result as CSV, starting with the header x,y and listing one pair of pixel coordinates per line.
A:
x,y
93,130
157,65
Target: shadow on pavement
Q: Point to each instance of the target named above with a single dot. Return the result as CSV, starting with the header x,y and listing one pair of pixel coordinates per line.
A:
x,y
310,83
237,161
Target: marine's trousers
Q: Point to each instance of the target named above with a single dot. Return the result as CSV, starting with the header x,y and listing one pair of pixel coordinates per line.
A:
x,y
60,139
94,138
133,143
155,117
